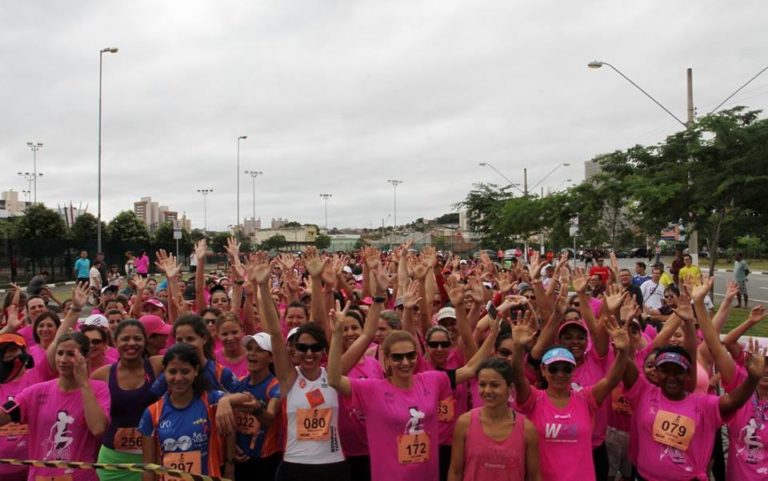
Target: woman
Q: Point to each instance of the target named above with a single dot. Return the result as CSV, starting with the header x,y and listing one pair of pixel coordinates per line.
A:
x,y
402,410
130,380
564,417
43,331
676,429
189,329
296,314
492,441
258,434
210,315
130,265
312,445
65,416
100,340
142,264
231,355
180,430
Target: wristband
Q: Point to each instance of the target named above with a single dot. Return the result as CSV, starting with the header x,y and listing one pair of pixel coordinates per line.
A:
x,y
379,299
75,309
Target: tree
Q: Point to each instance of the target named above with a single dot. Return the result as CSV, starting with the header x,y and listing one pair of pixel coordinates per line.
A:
x,y
42,232
450,219
196,235
275,242
126,227
85,228
323,241
292,224
163,239
219,242
484,205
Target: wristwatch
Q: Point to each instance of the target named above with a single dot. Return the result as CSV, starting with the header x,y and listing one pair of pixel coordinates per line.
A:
x,y
379,299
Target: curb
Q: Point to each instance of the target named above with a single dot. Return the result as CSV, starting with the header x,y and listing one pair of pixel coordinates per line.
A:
x,y
67,283
760,273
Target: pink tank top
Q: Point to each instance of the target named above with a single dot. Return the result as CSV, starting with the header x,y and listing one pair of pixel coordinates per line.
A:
x,y
486,459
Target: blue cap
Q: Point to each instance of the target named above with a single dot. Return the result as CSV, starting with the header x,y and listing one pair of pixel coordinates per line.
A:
x,y
558,354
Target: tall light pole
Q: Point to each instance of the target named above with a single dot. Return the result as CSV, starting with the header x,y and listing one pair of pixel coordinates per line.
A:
x,y
325,198
395,183
30,177
35,146
253,174
242,137
509,182
205,193
98,217
26,195
693,238
563,164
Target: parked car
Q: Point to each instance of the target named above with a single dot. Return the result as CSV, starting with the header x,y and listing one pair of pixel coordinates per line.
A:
x,y
641,252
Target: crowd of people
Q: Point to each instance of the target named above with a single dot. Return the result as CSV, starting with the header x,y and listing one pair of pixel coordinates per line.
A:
x,y
401,365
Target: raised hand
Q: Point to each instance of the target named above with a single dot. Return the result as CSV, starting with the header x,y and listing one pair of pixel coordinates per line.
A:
x,y
201,252
380,279
756,361
731,289
233,248
579,280
411,297
313,263
456,294
699,292
372,257
614,297
476,290
14,323
757,314
287,262
629,309
619,334
524,331
80,295
80,370
258,268
140,283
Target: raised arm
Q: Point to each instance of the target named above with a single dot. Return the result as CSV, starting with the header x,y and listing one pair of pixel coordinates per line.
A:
x,y
259,274
596,330
731,340
467,344
467,371
734,400
95,418
522,335
201,252
315,265
621,347
723,361
685,312
335,378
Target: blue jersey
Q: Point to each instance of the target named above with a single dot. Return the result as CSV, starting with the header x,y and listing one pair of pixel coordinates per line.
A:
x,y
217,377
253,439
187,434
82,267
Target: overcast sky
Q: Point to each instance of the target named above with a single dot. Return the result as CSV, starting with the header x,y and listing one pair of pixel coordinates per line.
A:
x,y
339,96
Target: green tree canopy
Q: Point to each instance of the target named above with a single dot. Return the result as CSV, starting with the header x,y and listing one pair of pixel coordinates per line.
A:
x,y
85,228
323,241
276,242
126,227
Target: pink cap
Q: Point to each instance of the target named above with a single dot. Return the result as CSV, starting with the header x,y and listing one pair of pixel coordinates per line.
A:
x,y
567,324
154,303
155,325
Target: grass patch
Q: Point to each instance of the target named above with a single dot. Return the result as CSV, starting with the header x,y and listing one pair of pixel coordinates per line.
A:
x,y
739,315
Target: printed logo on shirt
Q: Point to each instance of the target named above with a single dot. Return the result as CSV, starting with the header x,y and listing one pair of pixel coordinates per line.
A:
x,y
165,424
414,423
60,439
561,432
184,443
750,448
199,421
676,456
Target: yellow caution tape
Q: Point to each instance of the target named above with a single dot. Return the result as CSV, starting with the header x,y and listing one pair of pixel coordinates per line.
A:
x,y
136,467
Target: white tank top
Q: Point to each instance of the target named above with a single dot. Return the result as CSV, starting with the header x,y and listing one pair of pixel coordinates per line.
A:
x,y
311,411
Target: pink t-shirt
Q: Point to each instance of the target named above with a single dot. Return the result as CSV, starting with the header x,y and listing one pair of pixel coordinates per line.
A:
x,y
401,419
14,443
748,435
486,459
565,434
240,368
456,404
656,460
26,333
587,374
352,428
57,427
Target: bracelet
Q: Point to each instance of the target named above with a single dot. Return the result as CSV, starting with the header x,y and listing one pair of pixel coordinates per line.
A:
x,y
239,283
379,299
75,309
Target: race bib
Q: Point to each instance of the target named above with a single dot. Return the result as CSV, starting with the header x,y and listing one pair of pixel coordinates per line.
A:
x,y
413,448
446,409
313,424
61,477
673,430
619,403
128,440
187,461
14,429
248,424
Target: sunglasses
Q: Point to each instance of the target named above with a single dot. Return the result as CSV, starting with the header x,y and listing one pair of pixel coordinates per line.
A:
x,y
400,356
316,347
210,321
504,352
96,342
560,368
436,344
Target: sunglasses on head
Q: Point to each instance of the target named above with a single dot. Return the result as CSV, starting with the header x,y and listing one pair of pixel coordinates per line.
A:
x,y
564,368
399,356
316,347
436,344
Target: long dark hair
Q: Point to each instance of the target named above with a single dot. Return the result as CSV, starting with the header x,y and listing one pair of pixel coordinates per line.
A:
x,y
188,354
196,323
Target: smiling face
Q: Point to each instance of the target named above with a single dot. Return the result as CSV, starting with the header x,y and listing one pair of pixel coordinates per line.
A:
x,y
220,301
180,376
35,307
307,352
258,358
649,369
185,334
492,387
230,335
98,344
438,347
295,316
382,329
131,343
352,331
401,360
46,330
65,357
672,379
558,375
575,339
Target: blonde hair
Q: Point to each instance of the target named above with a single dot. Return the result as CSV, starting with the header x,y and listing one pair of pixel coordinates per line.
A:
x,y
396,336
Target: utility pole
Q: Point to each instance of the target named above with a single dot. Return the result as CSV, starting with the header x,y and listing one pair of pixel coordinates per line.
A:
x,y
525,182
693,233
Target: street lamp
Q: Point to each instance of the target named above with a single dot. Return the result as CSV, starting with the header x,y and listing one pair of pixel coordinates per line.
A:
x,y
98,223
30,177
693,239
242,137
35,146
254,174
325,198
205,193
395,183
563,183
509,182
563,164
26,195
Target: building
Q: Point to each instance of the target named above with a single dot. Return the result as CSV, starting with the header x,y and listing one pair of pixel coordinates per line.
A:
x,y
279,223
186,224
591,169
70,213
250,226
297,237
10,205
152,214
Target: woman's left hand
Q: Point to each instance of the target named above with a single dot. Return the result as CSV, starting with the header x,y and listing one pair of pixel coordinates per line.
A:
x,y
80,370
